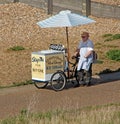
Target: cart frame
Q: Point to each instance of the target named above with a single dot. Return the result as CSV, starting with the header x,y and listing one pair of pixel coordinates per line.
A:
x,y
59,79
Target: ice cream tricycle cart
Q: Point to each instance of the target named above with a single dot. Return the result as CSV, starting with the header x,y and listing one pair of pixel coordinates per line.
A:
x,y
50,66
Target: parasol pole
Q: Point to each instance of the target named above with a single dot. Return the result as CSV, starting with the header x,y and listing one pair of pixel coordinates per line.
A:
x,y
68,57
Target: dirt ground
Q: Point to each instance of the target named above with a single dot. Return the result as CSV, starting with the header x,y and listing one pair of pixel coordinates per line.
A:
x,y
13,100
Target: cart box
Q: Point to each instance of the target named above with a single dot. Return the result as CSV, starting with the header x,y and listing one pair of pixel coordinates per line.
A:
x,y
45,63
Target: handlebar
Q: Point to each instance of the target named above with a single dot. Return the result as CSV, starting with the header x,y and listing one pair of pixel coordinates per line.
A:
x,y
76,60
75,57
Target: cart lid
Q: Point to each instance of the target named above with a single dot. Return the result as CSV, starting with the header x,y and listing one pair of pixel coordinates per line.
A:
x,y
47,52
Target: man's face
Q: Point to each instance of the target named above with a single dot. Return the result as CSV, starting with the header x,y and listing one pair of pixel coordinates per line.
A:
x,y
84,37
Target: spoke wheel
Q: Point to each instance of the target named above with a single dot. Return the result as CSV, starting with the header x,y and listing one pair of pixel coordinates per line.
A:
x,y
58,81
40,85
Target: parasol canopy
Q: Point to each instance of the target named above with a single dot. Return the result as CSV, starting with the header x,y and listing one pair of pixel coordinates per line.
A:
x,y
65,19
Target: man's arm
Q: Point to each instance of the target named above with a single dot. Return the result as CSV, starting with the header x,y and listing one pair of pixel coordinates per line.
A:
x,y
88,53
90,49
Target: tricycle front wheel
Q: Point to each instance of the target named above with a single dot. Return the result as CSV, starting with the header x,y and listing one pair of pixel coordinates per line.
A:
x,y
58,81
40,85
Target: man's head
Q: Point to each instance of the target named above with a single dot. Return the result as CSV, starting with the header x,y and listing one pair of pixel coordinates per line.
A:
x,y
85,36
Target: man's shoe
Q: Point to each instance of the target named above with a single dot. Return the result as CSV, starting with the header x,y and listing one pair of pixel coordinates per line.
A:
x,y
82,85
88,84
77,85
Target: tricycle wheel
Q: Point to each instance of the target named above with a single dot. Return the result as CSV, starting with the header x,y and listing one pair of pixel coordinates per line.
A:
x,y
40,85
58,81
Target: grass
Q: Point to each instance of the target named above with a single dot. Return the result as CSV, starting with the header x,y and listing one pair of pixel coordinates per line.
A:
x,y
113,54
101,114
16,48
17,84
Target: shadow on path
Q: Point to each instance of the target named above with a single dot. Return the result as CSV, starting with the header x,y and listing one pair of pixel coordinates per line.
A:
x,y
105,78
96,80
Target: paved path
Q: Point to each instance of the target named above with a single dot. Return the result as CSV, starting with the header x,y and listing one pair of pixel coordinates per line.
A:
x,y
13,100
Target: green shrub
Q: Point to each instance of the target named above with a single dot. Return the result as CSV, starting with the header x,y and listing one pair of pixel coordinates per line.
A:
x,y
113,55
17,48
108,39
111,37
107,35
116,36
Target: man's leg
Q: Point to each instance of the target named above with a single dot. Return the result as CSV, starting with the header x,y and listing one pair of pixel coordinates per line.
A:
x,y
88,76
80,76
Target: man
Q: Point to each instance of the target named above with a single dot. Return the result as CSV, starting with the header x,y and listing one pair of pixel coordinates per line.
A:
x,y
85,50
